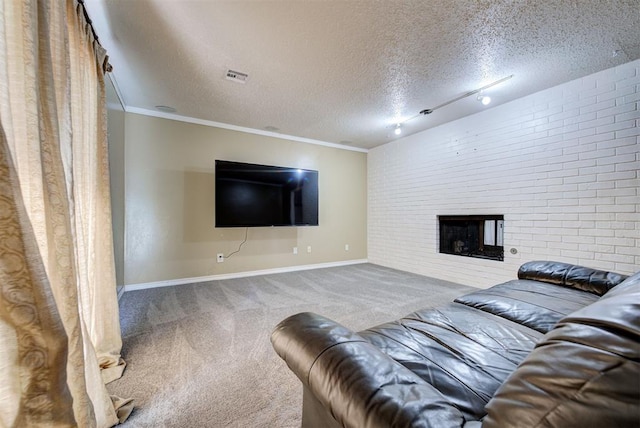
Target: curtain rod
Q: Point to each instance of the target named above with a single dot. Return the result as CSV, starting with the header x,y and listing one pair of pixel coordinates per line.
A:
x,y
108,66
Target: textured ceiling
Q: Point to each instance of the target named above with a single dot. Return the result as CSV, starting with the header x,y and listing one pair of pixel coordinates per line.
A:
x,y
347,71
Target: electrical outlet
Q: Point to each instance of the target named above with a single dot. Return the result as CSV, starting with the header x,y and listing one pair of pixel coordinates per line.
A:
x,y
346,247
295,250
309,249
220,257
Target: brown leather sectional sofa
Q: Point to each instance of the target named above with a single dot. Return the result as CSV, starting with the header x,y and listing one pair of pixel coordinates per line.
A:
x,y
558,347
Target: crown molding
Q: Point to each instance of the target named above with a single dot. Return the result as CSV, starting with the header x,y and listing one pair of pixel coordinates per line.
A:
x,y
187,119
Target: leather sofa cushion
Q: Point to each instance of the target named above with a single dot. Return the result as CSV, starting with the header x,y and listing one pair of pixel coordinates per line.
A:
x,y
537,305
585,372
464,353
568,275
348,382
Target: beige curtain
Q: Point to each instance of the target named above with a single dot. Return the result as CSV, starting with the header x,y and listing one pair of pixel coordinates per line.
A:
x,y
59,327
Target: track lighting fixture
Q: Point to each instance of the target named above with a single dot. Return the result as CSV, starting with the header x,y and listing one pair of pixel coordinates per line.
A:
x,y
468,94
485,100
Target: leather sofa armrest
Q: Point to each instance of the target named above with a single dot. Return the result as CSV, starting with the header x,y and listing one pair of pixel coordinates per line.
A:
x,y
355,382
582,278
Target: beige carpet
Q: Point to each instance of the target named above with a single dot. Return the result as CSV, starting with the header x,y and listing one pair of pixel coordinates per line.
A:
x,y
199,355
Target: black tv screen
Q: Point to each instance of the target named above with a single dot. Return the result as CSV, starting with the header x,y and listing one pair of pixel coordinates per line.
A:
x,y
249,195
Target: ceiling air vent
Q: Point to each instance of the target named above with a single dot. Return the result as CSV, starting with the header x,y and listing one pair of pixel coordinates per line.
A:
x,y
236,76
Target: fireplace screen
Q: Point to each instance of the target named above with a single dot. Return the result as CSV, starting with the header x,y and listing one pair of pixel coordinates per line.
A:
x,y
479,236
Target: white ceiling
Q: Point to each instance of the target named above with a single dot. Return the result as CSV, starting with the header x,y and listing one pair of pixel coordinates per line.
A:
x,y
347,71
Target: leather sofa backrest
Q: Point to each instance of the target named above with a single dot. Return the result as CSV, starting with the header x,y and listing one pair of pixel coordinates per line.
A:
x,y
592,280
585,372
631,282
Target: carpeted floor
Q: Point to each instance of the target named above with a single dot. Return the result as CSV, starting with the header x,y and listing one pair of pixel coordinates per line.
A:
x,y
199,355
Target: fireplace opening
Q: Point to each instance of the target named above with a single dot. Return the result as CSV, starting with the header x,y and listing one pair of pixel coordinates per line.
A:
x,y
480,236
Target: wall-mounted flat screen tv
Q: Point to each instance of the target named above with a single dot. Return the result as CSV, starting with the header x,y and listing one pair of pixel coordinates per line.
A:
x,y
249,195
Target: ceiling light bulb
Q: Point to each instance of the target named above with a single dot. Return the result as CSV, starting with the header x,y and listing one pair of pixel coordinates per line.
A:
x,y
485,100
398,130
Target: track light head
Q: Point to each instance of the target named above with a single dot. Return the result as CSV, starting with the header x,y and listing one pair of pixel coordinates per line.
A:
x,y
485,100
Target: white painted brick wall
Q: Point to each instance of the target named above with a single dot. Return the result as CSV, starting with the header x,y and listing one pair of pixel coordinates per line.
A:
x,y
562,165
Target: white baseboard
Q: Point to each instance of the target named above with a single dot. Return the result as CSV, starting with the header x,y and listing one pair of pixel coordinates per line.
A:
x,y
120,291
181,281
